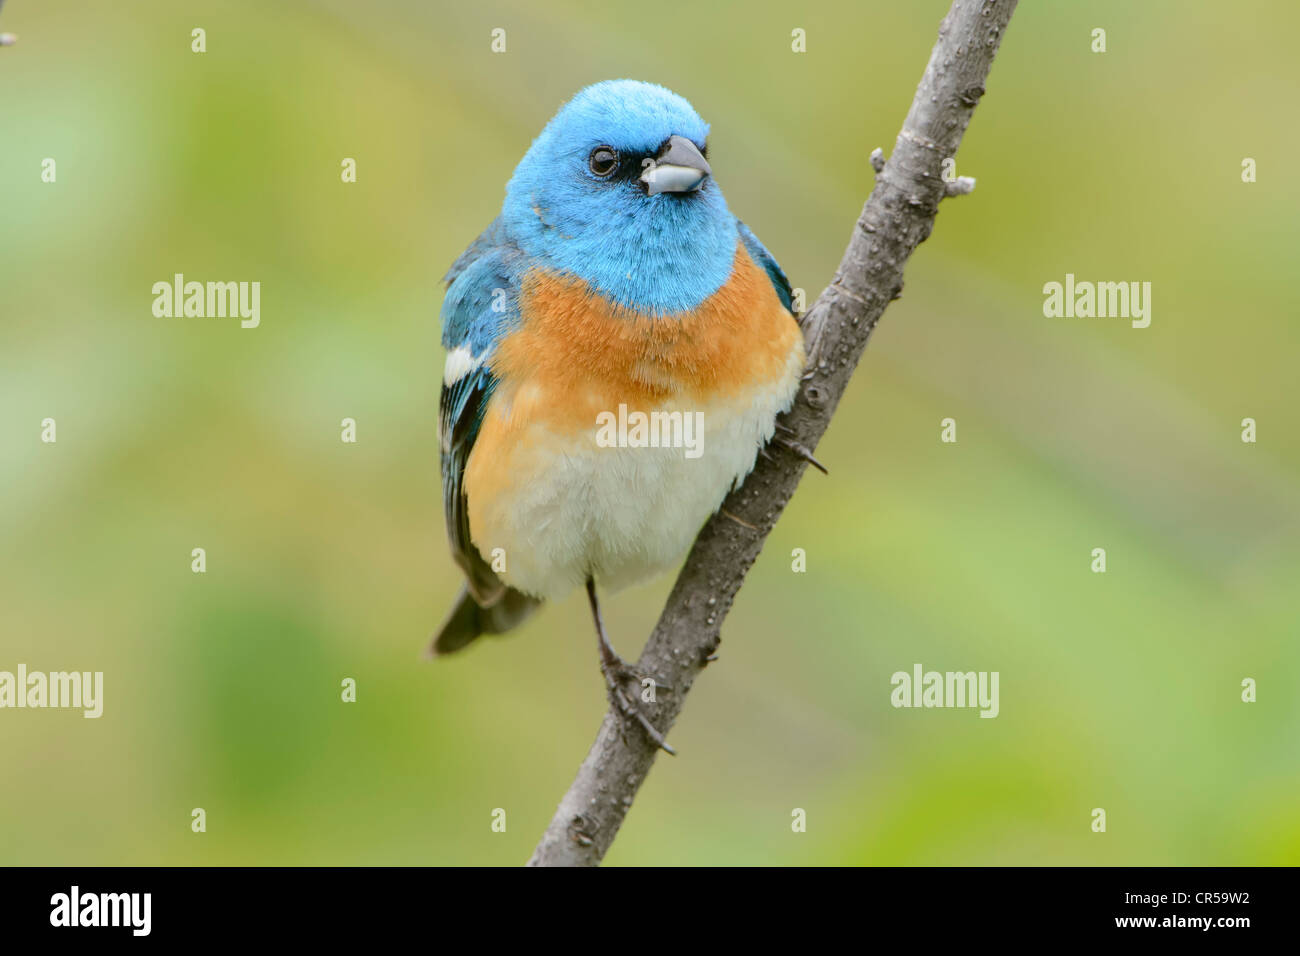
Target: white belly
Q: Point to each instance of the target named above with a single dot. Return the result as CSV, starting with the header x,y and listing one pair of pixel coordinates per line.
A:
x,y
621,514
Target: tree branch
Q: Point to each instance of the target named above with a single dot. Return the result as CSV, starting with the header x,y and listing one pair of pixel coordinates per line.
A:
x,y
897,217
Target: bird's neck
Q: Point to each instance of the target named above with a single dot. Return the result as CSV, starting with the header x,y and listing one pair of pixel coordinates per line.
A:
x,y
664,259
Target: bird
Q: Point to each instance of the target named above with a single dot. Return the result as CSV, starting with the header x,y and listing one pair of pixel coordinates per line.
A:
x,y
614,288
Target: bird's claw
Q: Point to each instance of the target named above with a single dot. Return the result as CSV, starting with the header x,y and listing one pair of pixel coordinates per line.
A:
x,y
618,675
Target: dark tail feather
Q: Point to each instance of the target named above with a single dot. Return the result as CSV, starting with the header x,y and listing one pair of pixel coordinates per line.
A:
x,y
467,620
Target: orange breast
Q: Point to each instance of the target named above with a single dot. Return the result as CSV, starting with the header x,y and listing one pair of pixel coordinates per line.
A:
x,y
576,354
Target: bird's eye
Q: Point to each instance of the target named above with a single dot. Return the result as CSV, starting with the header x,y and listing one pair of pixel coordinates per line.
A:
x,y
603,161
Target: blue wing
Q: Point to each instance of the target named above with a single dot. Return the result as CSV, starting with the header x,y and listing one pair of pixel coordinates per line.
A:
x,y
481,306
764,258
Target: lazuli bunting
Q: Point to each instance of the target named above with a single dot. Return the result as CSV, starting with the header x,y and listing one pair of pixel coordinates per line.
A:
x,y
619,346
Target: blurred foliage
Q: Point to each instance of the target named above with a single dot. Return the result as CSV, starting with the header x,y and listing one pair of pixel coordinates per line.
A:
x,y
328,560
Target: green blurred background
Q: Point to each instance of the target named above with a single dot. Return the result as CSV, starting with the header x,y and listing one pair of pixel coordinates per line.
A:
x,y
328,560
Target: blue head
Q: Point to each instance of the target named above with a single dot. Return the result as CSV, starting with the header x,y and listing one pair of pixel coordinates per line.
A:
x,y
616,190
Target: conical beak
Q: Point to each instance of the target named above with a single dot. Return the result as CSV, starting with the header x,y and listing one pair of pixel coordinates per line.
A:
x,y
679,168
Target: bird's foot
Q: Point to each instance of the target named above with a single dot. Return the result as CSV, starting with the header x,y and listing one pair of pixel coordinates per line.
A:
x,y
619,676
784,438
